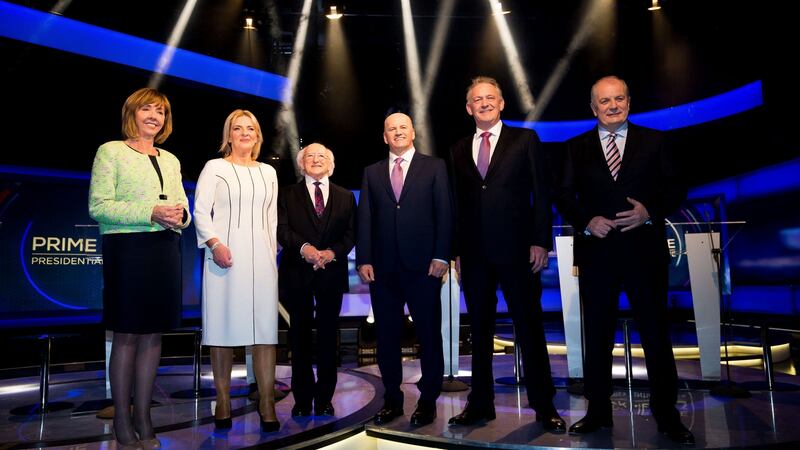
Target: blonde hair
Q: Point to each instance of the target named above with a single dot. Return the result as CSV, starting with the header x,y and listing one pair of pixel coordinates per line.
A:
x,y
302,154
480,80
142,97
225,148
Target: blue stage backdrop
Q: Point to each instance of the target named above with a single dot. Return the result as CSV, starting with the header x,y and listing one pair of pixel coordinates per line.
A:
x,y
51,251
51,263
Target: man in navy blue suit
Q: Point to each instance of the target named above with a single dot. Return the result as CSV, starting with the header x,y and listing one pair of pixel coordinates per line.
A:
x,y
405,223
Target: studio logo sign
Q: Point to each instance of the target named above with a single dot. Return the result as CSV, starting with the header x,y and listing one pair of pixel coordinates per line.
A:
x,y
63,262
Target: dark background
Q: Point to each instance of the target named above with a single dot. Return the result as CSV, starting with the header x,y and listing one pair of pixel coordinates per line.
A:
x,y
60,107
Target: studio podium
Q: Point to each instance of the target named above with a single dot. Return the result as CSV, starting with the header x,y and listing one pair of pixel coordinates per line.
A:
x,y
693,244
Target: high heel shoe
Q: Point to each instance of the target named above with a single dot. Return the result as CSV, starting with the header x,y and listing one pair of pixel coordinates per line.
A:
x,y
135,445
267,426
150,444
223,424
270,426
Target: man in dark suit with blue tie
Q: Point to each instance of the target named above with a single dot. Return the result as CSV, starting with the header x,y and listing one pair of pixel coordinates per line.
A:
x,y
503,234
619,182
403,248
316,228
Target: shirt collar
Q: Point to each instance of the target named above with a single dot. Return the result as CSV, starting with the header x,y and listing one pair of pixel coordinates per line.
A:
x,y
495,130
322,181
406,156
621,132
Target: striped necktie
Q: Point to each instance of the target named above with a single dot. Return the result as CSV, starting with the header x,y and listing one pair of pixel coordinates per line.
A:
x,y
613,158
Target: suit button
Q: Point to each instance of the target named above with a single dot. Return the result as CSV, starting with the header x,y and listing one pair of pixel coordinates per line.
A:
x,y
483,187
398,206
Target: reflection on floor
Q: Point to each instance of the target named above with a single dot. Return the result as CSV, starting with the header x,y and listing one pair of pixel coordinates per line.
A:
x,y
766,419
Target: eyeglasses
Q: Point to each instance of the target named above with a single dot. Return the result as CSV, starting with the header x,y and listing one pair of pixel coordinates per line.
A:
x,y
310,156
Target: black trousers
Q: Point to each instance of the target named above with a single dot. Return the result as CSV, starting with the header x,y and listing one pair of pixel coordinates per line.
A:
x,y
389,292
310,308
605,269
522,291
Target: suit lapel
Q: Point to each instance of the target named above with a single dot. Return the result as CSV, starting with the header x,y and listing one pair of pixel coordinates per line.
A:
x,y
413,170
383,168
305,199
631,144
329,206
503,141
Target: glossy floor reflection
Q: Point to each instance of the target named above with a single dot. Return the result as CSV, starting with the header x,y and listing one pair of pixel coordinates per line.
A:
x,y
768,419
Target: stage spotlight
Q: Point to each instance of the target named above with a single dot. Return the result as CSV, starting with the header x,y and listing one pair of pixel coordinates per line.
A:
x,y
334,14
655,6
248,23
595,15
165,59
499,10
512,56
435,54
60,7
419,107
286,120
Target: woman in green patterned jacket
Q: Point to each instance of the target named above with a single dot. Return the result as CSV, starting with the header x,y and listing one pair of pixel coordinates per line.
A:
x,y
137,197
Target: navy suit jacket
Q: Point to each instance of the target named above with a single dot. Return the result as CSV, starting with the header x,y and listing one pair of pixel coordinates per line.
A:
x,y
405,233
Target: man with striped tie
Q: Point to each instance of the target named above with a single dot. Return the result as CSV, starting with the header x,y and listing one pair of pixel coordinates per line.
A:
x,y
618,183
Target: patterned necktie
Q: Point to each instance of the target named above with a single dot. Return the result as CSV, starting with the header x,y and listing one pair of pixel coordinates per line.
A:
x,y
397,178
613,159
319,201
483,154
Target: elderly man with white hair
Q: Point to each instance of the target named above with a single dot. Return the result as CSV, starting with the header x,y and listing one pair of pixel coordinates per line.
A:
x,y
316,230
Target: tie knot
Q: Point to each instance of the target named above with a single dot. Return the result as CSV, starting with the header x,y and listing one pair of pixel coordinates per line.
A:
x,y
612,136
486,134
398,161
317,183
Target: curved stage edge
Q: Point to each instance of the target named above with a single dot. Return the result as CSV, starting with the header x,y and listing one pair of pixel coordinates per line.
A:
x,y
766,420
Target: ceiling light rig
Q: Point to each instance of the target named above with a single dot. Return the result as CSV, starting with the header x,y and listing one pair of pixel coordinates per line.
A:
x,y
248,23
334,14
655,6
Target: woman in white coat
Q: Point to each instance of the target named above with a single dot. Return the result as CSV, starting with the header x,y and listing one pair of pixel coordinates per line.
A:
x,y
236,219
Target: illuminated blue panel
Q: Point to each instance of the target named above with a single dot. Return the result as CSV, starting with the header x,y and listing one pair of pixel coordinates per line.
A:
x,y
49,30
766,181
732,102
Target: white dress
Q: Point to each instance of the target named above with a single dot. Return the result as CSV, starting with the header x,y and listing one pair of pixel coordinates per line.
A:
x,y
238,205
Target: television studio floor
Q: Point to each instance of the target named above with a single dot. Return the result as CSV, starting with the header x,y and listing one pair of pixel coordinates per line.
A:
x,y
765,420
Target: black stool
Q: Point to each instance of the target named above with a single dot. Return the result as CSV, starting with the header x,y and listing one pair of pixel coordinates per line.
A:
x,y
45,405
196,391
518,379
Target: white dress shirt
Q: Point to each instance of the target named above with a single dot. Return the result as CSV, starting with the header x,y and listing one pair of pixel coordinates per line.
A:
x,y
324,186
405,164
476,141
622,137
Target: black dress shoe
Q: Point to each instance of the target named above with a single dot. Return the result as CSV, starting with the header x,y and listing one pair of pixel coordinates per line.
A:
x,y
301,411
424,414
270,426
590,424
326,410
677,433
387,414
551,421
472,415
223,424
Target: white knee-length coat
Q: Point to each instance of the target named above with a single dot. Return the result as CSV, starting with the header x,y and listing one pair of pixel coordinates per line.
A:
x,y
238,205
